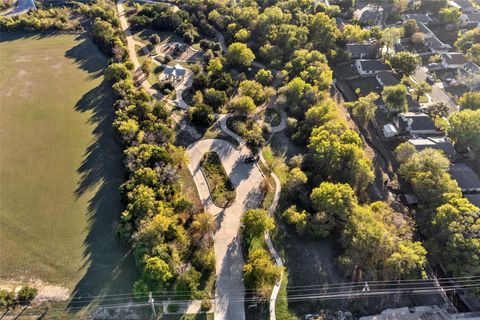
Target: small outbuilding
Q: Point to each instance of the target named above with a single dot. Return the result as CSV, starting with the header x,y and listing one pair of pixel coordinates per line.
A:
x,y
389,131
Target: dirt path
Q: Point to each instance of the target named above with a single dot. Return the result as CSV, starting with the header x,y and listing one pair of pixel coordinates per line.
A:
x,y
142,78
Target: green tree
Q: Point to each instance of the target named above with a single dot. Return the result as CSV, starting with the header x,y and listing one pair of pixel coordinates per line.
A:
x,y
410,27
202,114
239,55
255,223
354,33
254,90
260,272
421,88
455,230
26,294
364,108
465,129
316,116
215,98
426,171
140,289
147,66
188,282
378,245
116,72
310,66
405,63
338,152
323,32
242,35
334,203
450,15
395,98
390,36
203,224
470,100
296,218
474,53
243,105
438,110
157,270
404,151
300,96
466,40
264,76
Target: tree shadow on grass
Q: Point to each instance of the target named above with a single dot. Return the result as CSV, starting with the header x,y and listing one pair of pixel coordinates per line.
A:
x,y
87,59
108,265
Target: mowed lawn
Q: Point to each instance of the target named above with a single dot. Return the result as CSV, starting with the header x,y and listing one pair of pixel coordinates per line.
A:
x,y
60,167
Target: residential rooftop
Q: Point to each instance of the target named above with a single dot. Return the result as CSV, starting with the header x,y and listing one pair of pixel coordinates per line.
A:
x,y
438,143
466,178
373,65
418,121
387,79
418,17
454,58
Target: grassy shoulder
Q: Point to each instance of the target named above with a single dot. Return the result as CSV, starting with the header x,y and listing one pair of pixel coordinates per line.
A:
x,y
221,188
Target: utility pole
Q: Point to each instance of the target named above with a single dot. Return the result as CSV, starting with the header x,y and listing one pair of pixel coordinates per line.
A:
x,y
151,301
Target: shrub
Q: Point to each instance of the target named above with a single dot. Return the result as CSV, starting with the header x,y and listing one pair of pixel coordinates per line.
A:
x,y
202,114
7,298
26,294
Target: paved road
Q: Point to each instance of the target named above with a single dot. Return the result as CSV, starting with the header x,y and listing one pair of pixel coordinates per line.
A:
x,y
23,6
437,94
229,290
271,211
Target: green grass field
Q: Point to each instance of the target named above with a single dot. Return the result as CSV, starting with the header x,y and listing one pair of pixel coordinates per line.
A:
x,y
60,167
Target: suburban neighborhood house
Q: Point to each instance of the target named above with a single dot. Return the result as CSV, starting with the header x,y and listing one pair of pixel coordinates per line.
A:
x,y
370,67
439,143
415,123
176,72
453,60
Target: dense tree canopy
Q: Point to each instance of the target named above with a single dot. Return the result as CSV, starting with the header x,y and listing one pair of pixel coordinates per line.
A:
x,y
465,129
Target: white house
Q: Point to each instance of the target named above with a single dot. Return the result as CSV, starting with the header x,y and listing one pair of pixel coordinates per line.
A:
x,y
453,60
176,72
370,67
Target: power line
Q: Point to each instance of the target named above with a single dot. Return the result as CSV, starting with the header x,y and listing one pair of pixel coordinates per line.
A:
x,y
325,294
300,298
306,287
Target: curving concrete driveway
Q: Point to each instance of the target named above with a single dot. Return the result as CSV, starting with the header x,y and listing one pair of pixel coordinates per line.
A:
x,y
229,290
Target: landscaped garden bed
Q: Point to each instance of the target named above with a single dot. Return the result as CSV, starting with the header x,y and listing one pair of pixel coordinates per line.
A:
x,y
220,186
272,117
